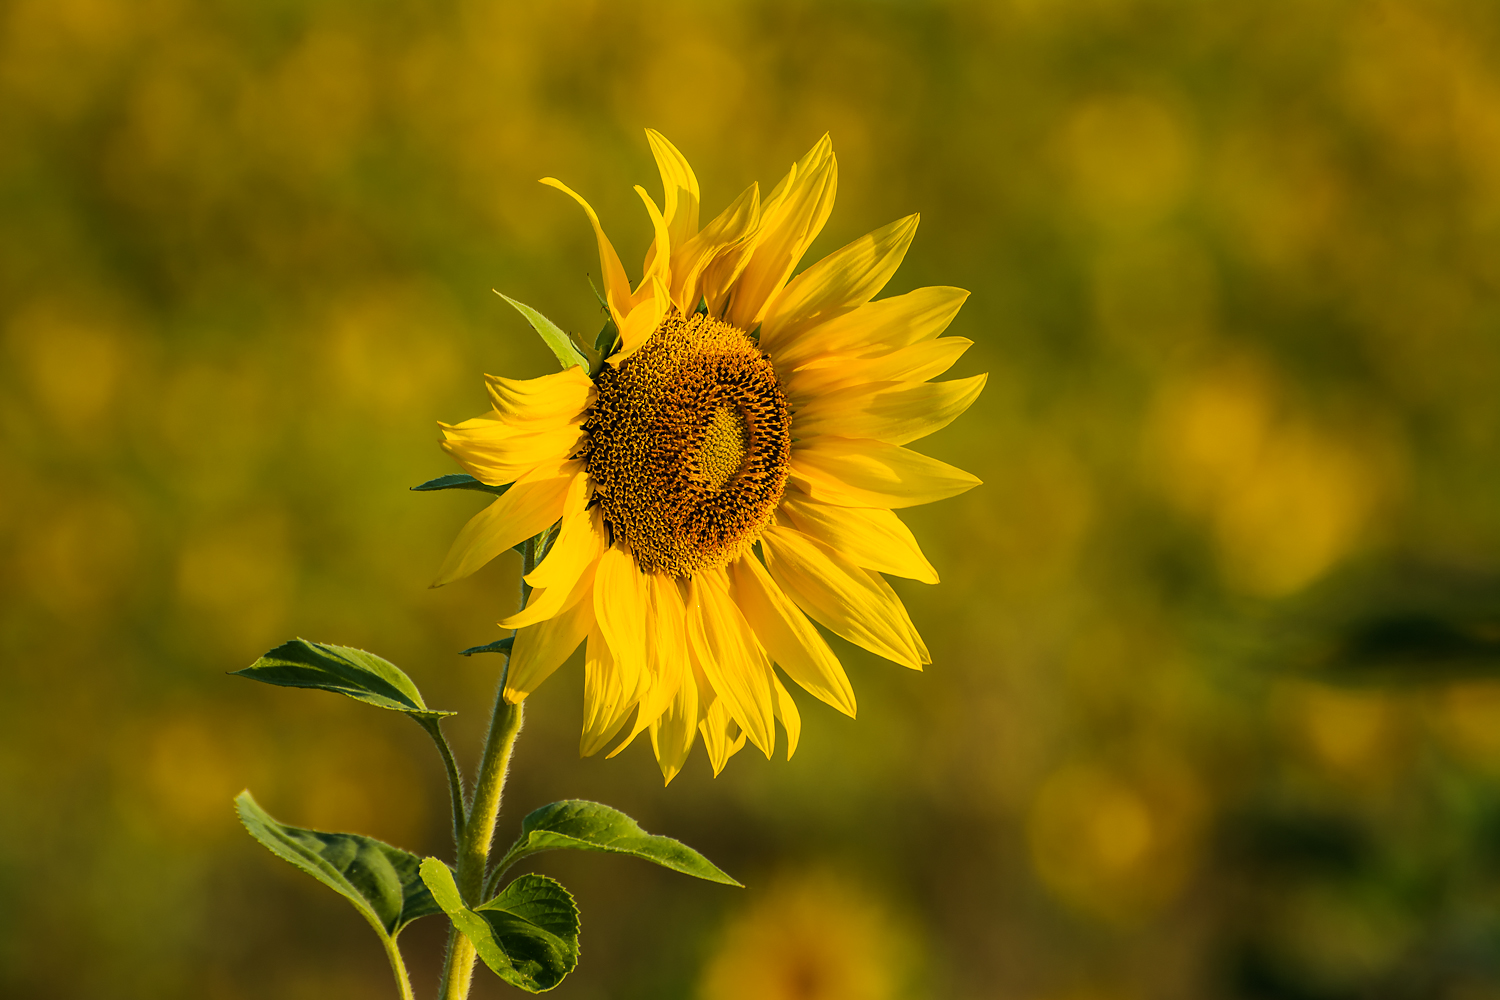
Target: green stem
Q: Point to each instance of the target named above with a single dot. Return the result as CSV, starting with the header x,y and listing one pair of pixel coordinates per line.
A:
x,y
393,952
433,726
484,809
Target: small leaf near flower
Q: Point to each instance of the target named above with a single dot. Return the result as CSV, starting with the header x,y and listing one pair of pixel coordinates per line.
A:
x,y
527,935
459,481
383,882
562,345
353,672
578,825
498,646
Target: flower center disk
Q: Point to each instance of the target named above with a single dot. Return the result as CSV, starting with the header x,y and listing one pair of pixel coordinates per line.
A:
x,y
688,446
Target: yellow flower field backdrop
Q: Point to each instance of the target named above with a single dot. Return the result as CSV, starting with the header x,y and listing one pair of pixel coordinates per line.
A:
x,y
1208,713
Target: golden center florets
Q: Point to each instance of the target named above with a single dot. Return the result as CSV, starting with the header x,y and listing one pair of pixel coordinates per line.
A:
x,y
688,445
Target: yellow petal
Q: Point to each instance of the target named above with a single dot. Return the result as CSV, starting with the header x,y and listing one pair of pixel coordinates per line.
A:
x,y
541,648
839,283
916,363
855,473
622,608
730,656
877,327
788,636
673,732
871,537
789,223
837,594
616,284
559,397
714,259
643,319
896,412
660,253
715,729
525,509
492,452
666,652
679,191
786,711
606,702
580,541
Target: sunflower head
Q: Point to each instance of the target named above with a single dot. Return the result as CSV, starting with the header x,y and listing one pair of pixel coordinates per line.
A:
x,y
727,475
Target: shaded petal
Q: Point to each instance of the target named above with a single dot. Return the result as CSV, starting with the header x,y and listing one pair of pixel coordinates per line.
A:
x,y
731,657
786,711
876,327
916,363
714,259
616,284
856,473
897,412
533,503
643,319
580,541
788,636
622,608
542,648
871,537
673,732
666,652
659,255
837,594
606,700
790,220
839,283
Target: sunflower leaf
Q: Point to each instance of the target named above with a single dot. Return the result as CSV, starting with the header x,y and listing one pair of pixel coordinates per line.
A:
x,y
383,882
562,345
353,672
527,935
579,825
459,481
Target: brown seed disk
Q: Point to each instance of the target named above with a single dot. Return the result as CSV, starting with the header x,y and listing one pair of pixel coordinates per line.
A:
x,y
688,446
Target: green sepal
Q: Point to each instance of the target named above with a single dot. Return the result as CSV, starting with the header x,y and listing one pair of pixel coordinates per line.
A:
x,y
353,672
562,345
498,646
608,337
527,935
383,882
579,825
460,481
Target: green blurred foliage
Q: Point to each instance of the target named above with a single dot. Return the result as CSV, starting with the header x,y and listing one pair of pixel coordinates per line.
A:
x,y
1235,272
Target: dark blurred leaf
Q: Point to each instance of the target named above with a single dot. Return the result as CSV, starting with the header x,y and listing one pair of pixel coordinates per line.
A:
x,y
1418,646
353,672
498,646
562,345
577,825
527,935
383,882
459,481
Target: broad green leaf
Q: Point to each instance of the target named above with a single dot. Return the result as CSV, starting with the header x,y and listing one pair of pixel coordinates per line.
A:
x,y
527,935
562,345
498,646
383,882
362,676
459,481
578,825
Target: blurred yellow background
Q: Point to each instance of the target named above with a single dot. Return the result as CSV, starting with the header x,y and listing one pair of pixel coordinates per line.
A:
x,y
1234,268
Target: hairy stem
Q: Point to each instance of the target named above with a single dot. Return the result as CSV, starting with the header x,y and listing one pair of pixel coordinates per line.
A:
x,y
484,809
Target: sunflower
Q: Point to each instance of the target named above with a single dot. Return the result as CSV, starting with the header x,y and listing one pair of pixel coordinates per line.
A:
x,y
727,476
